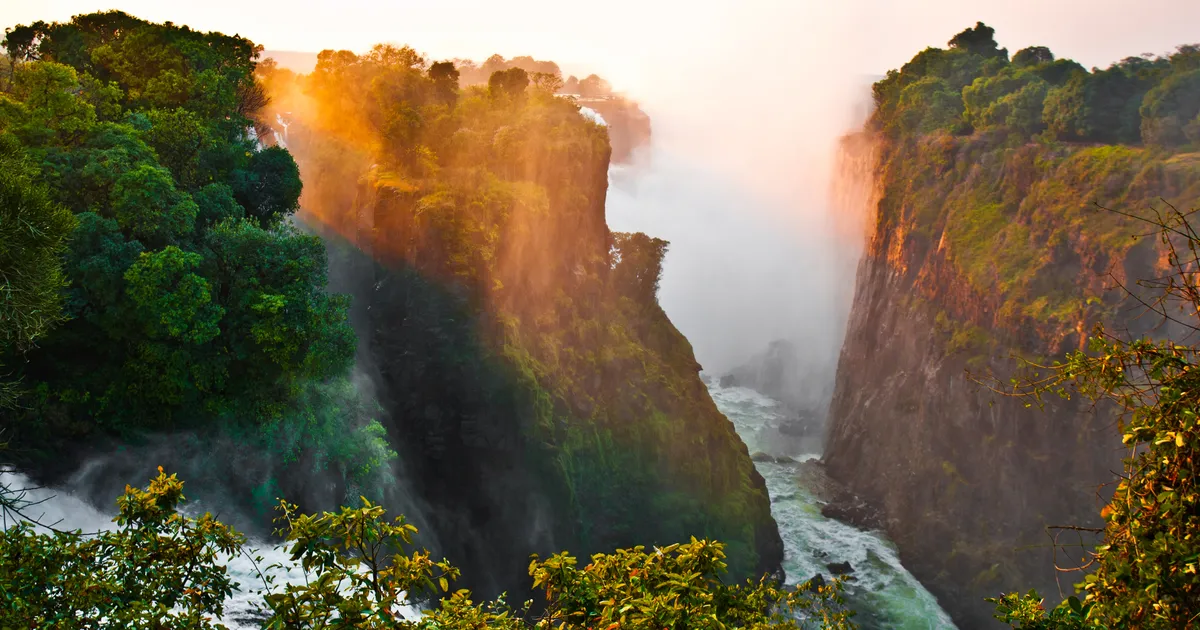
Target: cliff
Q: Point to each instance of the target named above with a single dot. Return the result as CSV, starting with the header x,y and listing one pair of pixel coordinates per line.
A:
x,y
538,397
986,245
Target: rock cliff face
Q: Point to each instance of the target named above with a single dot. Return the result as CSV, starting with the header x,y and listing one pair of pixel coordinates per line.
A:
x,y
981,250
538,397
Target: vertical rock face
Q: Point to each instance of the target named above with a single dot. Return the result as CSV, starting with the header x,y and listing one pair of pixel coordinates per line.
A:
x,y
965,481
981,251
538,397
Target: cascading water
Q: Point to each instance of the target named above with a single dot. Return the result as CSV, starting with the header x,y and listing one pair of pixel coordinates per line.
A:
x,y
880,590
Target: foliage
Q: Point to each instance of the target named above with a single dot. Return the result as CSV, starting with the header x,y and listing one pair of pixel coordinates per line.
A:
x,y
979,40
361,575
157,568
33,234
1145,571
1171,111
1150,99
677,586
161,569
363,579
982,166
188,297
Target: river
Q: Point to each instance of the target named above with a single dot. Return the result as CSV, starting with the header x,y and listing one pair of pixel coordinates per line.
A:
x,y
882,593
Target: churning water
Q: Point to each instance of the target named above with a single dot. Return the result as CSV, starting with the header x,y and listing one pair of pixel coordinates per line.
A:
x,y
883,593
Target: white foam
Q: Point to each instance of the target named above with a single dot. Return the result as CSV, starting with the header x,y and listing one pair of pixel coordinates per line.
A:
x,y
883,591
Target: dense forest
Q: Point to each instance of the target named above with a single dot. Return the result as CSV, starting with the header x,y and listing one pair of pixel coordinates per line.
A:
x,y
990,248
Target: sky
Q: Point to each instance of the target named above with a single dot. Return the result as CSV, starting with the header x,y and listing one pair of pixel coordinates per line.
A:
x,y
748,99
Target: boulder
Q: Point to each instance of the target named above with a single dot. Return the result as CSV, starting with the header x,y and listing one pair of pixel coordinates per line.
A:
x,y
840,568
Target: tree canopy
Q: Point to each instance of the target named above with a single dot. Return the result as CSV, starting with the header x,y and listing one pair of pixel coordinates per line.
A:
x,y
1148,100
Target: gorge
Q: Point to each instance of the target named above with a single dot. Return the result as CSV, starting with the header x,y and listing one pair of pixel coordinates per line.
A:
x,y
494,300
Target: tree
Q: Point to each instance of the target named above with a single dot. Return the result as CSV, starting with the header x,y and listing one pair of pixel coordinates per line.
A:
x,y
1033,56
1145,572
33,236
593,86
637,265
546,82
1100,107
159,568
445,81
188,298
1171,111
979,40
511,82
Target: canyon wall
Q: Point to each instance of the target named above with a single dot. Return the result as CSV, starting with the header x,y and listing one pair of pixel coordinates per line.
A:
x,y
983,250
538,397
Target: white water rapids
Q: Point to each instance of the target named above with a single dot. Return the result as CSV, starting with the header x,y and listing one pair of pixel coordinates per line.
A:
x,y
883,593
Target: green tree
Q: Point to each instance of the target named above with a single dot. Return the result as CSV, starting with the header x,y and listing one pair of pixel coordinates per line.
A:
x,y
33,236
189,298
1171,111
1032,56
158,568
979,40
363,570
1101,106
445,80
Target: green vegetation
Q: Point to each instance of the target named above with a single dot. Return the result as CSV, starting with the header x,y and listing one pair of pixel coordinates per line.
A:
x,y
34,231
1144,573
994,166
161,569
190,303
991,174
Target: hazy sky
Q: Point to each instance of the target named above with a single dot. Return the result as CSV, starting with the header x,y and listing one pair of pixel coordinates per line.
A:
x,y
622,35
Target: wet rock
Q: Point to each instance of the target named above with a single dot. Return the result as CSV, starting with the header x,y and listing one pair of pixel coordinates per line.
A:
x,y
850,510
728,381
840,568
784,459
760,456
816,581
